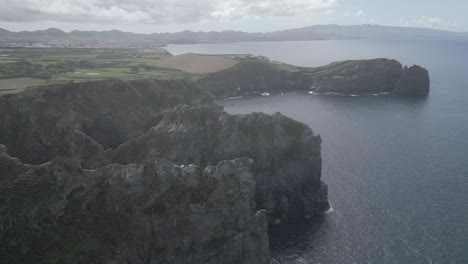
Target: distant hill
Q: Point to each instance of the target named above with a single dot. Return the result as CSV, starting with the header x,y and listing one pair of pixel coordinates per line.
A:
x,y
362,32
318,32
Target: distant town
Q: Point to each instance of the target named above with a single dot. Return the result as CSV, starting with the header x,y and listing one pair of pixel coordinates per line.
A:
x,y
92,44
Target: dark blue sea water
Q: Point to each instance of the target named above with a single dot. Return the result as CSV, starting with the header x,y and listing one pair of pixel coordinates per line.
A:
x,y
397,169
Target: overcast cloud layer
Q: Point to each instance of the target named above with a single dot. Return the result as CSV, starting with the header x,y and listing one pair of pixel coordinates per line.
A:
x,y
154,11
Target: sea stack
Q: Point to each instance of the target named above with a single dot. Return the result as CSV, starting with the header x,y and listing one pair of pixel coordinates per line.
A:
x,y
414,82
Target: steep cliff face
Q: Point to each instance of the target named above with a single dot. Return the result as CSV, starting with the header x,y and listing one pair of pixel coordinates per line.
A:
x,y
414,82
158,213
78,118
83,200
356,77
248,76
286,154
346,77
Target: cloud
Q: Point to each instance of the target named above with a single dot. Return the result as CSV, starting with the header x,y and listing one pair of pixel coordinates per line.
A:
x,y
155,11
360,13
429,22
329,12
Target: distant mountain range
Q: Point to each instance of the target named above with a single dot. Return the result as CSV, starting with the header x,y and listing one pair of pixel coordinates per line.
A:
x,y
319,32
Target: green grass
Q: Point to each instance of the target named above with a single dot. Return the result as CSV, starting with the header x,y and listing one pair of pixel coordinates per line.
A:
x,y
58,65
15,83
286,67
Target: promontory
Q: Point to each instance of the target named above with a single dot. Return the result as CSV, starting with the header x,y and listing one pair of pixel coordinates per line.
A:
x,y
152,170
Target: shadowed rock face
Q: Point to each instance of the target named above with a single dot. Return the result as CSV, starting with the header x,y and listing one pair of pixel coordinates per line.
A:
x,y
346,77
356,77
131,204
158,213
414,82
249,76
76,119
287,161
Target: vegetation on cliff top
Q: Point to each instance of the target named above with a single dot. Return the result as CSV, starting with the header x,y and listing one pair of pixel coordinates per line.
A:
x,y
21,68
24,68
222,75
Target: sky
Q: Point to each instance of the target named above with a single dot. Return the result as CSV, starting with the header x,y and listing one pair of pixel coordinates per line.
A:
x,y
149,16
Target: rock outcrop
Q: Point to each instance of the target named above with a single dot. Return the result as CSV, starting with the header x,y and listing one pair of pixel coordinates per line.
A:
x,y
157,213
355,77
286,153
75,119
414,82
250,76
259,75
95,181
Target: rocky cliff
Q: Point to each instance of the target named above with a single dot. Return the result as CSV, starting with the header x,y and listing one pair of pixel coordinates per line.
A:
x,y
287,159
76,119
414,82
157,213
95,181
259,75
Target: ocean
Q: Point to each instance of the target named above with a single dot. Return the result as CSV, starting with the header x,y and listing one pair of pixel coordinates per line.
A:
x,y
397,168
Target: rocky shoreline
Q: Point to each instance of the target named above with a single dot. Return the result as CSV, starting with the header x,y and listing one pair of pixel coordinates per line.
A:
x,y
259,75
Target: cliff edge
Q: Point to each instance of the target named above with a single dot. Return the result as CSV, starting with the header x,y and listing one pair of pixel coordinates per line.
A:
x,y
58,212
287,155
90,175
256,75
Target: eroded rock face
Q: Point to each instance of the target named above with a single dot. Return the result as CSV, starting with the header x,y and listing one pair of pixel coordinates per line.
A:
x,y
77,118
286,153
92,203
158,213
414,82
356,77
247,77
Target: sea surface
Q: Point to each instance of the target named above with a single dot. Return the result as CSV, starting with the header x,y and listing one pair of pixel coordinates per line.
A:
x,y
397,168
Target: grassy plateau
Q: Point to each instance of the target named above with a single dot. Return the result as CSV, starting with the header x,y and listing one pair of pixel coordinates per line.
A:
x,y
21,68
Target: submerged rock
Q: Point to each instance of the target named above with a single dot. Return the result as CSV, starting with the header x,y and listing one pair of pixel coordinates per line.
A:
x,y
158,213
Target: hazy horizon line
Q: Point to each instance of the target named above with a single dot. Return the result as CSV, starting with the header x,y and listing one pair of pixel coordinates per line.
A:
x,y
234,30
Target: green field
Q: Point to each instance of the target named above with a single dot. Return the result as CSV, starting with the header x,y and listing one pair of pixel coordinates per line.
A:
x,y
15,83
21,68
